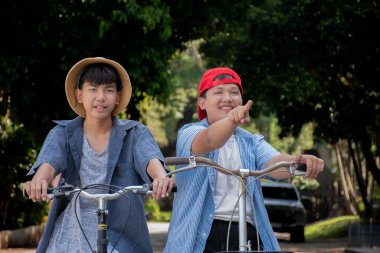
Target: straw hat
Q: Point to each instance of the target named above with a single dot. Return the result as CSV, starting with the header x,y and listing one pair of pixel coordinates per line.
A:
x,y
72,80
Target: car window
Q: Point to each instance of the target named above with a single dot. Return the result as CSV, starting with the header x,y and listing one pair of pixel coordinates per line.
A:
x,y
279,193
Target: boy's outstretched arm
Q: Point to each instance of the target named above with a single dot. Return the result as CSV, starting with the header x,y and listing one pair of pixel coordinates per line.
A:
x,y
217,134
37,187
161,183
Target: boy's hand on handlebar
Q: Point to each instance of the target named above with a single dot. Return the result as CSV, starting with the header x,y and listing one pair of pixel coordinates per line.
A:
x,y
36,190
162,185
314,165
240,114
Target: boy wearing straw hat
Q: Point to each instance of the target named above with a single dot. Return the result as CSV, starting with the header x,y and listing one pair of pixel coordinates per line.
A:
x,y
97,148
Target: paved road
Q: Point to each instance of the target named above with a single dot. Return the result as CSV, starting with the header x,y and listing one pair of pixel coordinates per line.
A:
x,y
158,232
159,235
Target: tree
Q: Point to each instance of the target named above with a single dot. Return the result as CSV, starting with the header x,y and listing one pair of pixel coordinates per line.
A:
x,y
310,61
15,157
43,39
46,38
301,60
186,68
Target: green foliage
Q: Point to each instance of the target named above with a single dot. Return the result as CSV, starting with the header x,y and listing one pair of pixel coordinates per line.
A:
x,y
186,69
151,206
332,228
268,126
305,60
43,40
46,38
301,60
16,157
305,184
153,213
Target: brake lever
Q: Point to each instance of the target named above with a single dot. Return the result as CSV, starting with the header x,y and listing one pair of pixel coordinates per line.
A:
x,y
60,191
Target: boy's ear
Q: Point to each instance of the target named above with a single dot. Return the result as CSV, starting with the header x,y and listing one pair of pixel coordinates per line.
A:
x,y
78,95
201,103
118,98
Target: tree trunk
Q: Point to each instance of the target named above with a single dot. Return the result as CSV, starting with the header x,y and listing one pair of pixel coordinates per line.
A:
x,y
361,183
347,200
23,237
370,159
348,175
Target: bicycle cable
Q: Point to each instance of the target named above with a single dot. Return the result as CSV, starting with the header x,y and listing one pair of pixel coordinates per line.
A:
x,y
192,164
91,186
104,187
125,223
253,207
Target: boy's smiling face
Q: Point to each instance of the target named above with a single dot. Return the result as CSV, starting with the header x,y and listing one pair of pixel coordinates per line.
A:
x,y
98,100
219,100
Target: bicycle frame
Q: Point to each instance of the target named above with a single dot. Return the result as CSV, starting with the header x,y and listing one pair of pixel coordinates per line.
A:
x,y
102,211
293,168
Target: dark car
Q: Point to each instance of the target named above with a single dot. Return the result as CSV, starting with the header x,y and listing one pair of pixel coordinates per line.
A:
x,y
285,209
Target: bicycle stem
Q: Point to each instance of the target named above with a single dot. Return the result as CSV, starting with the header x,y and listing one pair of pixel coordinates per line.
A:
x,y
242,216
102,212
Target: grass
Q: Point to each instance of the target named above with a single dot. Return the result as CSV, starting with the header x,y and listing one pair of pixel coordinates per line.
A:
x,y
163,216
153,212
332,228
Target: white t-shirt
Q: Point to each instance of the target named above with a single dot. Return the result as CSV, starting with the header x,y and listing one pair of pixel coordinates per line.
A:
x,y
226,194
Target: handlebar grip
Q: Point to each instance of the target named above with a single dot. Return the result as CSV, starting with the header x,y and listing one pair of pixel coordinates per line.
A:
x,y
173,190
301,167
50,190
55,193
60,191
176,160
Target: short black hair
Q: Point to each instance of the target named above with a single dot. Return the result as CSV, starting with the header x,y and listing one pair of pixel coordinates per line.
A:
x,y
100,73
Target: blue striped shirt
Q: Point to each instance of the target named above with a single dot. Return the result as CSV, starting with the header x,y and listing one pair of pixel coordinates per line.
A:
x,y
193,207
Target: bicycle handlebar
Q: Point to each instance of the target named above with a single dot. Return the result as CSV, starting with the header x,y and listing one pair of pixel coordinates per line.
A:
x,y
67,189
296,169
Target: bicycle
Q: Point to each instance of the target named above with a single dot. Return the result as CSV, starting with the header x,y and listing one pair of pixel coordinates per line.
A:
x,y
296,169
64,190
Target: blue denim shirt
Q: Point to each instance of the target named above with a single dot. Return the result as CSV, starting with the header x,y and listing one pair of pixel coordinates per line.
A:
x,y
131,147
193,207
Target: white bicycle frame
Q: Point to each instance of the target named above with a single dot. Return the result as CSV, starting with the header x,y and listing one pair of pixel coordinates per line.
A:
x,y
193,162
102,211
